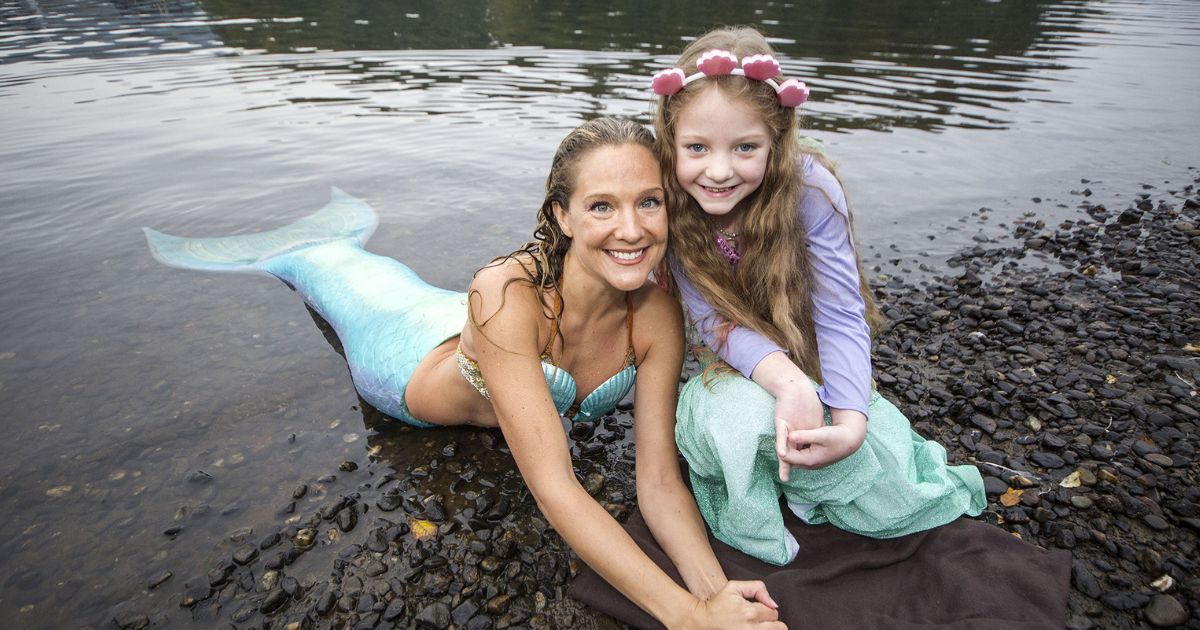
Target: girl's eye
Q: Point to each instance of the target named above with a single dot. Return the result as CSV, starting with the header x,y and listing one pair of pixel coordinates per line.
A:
x,y
695,148
746,147
651,202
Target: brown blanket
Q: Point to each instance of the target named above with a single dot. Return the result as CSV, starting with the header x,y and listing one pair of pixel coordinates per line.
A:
x,y
964,575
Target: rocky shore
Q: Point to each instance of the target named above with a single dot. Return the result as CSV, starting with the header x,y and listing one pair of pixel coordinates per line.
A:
x,y
1062,360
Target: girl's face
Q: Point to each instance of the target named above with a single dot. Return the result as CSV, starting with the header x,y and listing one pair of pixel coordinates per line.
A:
x,y
721,151
615,216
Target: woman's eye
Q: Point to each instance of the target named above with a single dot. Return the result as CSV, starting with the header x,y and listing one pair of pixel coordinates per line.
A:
x,y
600,206
651,202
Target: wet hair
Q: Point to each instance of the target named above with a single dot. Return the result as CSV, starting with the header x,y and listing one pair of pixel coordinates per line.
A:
x,y
542,258
770,290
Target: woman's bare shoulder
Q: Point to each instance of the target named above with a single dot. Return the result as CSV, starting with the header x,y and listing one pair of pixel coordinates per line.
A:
x,y
656,308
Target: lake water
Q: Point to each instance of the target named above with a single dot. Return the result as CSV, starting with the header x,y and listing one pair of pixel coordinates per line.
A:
x,y
121,378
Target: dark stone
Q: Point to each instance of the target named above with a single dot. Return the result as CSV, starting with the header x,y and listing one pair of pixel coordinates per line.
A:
x,y
1125,600
1047,460
274,601
1165,611
1083,580
464,612
435,616
246,554
394,609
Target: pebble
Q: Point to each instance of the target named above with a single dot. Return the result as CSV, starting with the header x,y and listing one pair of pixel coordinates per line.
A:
x,y
1081,502
1165,611
1156,522
434,616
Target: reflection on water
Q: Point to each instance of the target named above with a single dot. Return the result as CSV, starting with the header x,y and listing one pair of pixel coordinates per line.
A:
x,y
871,65
121,380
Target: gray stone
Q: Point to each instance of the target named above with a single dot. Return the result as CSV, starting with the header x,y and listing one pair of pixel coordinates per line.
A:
x,y
1165,611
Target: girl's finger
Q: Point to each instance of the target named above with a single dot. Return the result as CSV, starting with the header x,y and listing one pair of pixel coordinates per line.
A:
x,y
781,449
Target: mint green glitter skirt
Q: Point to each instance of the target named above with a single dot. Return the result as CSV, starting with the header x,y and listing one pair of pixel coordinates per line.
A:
x,y
897,483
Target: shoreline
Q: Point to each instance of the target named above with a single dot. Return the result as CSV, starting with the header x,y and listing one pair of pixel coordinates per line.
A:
x,y
1064,365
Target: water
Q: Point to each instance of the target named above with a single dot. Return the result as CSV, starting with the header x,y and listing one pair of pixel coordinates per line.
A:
x,y
120,378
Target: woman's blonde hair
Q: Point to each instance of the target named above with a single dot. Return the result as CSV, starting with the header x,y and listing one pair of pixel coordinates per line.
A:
x,y
770,290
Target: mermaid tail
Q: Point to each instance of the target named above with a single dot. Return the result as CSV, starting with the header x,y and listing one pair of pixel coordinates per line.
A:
x,y
386,317
897,483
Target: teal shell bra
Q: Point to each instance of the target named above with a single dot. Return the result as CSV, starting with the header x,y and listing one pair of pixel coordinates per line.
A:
x,y
601,401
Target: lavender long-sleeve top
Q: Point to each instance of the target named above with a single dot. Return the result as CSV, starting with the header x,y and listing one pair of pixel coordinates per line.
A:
x,y
839,313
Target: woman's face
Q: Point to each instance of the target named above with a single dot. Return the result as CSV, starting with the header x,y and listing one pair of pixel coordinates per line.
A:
x,y
615,216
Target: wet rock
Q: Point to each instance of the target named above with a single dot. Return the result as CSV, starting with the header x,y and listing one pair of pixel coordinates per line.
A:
x,y
245,554
270,540
326,603
347,519
158,579
1047,460
434,510
498,604
131,620
434,616
464,612
199,477
1165,611
1125,600
374,568
1156,522
195,590
394,609
1081,502
389,502
993,486
273,601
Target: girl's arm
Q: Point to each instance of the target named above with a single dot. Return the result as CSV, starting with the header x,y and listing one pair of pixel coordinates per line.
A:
x,y
668,506
839,312
797,405
508,349
839,315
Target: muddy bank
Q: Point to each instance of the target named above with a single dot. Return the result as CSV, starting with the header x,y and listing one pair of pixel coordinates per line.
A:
x,y
1061,359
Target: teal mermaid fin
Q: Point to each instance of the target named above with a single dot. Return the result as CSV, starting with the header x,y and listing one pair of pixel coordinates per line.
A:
x,y
343,217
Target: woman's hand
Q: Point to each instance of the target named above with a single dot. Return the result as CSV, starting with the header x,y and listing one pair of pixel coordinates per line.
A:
x,y
820,447
796,408
737,605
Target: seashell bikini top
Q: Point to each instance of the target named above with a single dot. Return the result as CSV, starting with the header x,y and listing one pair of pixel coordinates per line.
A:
x,y
562,386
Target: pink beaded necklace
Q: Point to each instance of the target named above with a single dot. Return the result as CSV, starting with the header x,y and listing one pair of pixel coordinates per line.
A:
x,y
727,248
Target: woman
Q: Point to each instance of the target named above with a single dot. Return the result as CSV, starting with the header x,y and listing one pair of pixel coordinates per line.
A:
x,y
566,323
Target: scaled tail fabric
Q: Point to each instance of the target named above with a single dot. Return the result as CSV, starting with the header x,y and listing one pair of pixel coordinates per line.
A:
x,y
386,317
896,484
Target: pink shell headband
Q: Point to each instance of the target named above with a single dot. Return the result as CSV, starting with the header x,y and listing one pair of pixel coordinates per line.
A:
x,y
716,63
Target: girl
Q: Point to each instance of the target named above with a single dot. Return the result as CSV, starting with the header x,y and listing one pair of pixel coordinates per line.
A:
x,y
563,324
763,258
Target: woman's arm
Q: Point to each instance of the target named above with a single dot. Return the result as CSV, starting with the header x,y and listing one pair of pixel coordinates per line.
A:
x,y
507,348
668,506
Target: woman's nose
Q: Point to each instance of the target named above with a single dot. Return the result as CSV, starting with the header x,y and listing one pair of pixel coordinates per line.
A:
x,y
629,225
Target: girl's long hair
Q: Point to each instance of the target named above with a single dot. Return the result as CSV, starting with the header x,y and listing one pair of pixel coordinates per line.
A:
x,y
770,290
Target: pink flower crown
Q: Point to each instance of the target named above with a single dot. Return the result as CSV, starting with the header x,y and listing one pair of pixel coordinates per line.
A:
x,y
717,63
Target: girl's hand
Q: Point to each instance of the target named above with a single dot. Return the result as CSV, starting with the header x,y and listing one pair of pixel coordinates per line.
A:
x,y
738,605
820,447
796,408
